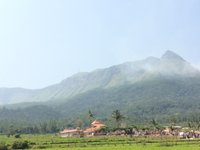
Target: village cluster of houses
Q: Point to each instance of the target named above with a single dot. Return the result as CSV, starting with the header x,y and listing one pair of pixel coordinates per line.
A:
x,y
96,127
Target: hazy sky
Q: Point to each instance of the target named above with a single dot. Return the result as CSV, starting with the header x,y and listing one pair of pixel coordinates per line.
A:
x,y
44,41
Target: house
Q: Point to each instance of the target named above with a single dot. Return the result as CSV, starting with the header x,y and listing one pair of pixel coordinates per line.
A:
x,y
96,126
71,133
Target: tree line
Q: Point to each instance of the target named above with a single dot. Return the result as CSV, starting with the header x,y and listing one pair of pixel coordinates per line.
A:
x,y
116,120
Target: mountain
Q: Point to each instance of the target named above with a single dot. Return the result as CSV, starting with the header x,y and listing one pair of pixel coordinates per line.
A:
x,y
169,65
80,83
153,87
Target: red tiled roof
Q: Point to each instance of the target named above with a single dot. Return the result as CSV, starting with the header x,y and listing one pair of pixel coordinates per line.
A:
x,y
96,122
96,125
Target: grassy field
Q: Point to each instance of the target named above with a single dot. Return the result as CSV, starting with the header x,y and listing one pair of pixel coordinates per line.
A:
x,y
49,142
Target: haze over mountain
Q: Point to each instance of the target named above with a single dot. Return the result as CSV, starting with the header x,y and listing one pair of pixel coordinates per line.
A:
x,y
170,65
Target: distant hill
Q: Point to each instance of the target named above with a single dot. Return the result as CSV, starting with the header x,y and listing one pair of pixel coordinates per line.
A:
x,y
152,87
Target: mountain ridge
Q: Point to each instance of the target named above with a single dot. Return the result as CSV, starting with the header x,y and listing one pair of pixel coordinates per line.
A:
x,y
170,64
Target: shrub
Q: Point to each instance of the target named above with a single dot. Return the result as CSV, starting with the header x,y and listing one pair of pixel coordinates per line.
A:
x,y
20,145
17,136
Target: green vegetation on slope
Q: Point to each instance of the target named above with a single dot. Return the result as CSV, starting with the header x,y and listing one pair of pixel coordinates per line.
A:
x,y
150,99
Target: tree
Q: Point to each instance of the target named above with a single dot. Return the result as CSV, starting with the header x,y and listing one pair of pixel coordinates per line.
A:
x,y
53,128
43,127
116,114
11,130
79,123
154,123
91,116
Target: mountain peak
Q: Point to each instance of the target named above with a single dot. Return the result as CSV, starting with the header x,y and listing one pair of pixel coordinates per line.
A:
x,y
170,55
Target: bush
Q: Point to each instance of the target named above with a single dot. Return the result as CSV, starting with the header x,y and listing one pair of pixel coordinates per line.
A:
x,y
17,136
3,146
20,145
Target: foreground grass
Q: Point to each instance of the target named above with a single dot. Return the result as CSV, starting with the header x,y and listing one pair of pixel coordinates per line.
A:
x,y
49,142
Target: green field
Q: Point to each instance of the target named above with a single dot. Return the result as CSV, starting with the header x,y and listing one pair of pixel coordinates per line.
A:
x,y
49,142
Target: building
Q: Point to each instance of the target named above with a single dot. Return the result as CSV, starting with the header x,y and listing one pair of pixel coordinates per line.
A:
x,y
96,126
71,133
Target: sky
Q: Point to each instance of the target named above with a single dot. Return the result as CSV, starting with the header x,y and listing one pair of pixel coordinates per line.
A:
x,y
43,42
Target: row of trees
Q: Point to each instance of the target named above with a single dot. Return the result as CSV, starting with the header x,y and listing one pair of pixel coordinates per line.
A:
x,y
116,120
53,126
44,127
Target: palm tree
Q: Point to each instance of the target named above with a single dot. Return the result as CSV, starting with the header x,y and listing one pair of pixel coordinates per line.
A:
x,y
116,114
